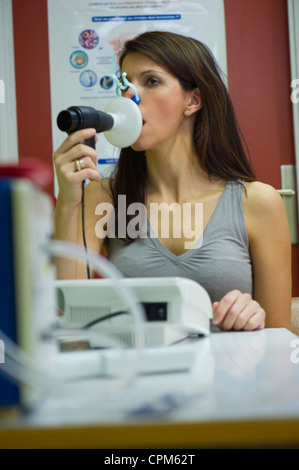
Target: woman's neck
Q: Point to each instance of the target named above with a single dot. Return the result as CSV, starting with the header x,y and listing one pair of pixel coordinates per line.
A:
x,y
173,174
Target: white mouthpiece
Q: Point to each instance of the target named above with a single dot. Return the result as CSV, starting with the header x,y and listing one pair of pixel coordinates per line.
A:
x,y
127,122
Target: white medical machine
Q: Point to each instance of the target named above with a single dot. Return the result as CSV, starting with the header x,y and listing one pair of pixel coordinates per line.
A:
x,y
174,307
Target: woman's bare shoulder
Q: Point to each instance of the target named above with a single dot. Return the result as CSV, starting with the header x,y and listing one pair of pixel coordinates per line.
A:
x,y
263,209
259,197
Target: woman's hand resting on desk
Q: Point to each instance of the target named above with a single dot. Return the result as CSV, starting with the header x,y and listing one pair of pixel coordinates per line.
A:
x,y
68,177
238,311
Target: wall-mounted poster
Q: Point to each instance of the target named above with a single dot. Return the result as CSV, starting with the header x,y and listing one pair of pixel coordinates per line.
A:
x,y
86,38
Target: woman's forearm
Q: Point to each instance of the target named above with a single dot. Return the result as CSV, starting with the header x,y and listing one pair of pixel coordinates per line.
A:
x,y
67,228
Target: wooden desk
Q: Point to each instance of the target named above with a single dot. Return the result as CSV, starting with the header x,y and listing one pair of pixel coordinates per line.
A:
x,y
276,433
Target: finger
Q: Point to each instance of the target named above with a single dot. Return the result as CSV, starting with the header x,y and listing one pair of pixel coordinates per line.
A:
x,y
73,148
84,169
74,139
76,153
90,174
222,307
80,164
77,166
245,321
243,308
77,177
246,316
256,322
71,175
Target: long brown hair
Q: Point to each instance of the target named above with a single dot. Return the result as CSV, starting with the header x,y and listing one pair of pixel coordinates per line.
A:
x,y
217,137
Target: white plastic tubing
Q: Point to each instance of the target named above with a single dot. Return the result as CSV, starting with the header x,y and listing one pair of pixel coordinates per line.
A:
x,y
24,369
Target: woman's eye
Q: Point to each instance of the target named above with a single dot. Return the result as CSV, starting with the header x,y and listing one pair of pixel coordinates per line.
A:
x,y
151,82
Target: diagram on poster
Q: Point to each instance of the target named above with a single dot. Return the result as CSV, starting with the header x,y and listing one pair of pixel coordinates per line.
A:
x,y
86,39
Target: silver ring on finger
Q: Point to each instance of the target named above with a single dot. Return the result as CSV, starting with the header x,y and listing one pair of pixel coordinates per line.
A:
x,y
81,163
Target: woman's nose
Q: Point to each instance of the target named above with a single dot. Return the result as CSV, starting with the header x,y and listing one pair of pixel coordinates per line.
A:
x,y
132,94
128,93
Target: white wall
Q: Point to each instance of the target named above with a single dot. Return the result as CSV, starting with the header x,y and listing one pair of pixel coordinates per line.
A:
x,y
8,114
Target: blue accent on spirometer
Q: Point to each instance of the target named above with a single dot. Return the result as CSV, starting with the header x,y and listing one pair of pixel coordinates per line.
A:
x,y
104,161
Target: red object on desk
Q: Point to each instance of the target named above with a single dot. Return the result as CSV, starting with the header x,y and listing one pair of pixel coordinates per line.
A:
x,y
34,169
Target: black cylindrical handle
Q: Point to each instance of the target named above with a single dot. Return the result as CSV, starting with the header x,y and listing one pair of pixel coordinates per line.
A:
x,y
83,117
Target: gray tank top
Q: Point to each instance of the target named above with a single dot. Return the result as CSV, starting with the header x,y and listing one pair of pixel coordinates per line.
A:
x,y
220,263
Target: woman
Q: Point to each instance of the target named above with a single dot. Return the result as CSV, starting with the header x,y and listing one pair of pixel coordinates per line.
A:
x,y
189,153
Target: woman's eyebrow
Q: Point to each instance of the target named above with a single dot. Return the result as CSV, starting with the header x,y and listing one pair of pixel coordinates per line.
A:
x,y
151,71
147,72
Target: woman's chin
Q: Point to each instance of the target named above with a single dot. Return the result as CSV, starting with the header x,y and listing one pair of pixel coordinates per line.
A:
x,y
137,146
